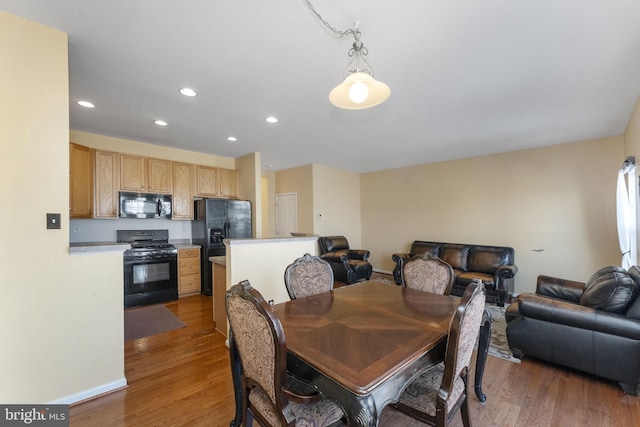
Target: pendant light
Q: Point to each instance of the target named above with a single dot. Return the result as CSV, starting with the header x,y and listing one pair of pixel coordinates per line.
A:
x,y
359,90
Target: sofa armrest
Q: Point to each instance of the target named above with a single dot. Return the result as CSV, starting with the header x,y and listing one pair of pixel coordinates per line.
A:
x,y
506,271
570,314
399,259
361,254
335,256
555,287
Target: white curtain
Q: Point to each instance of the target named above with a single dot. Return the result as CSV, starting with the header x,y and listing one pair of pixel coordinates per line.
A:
x,y
626,199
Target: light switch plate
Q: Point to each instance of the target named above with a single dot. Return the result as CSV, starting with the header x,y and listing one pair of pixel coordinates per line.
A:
x,y
53,221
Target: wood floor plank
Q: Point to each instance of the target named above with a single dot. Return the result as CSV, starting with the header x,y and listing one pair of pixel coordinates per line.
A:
x,y
182,378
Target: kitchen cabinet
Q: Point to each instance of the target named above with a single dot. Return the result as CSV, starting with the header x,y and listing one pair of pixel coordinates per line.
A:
x,y
207,181
159,176
188,271
106,184
229,184
219,267
132,173
80,181
217,182
183,190
143,175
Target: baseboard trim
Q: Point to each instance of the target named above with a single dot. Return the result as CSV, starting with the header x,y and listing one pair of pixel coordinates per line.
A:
x,y
383,271
91,393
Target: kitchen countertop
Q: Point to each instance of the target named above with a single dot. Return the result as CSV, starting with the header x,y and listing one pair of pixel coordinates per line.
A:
x,y
97,247
221,260
107,247
185,245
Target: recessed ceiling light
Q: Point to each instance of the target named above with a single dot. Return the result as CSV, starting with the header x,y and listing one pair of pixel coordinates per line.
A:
x,y
86,104
272,119
188,91
160,122
232,139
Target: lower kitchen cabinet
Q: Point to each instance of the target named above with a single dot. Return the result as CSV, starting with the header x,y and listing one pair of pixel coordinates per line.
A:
x,y
188,271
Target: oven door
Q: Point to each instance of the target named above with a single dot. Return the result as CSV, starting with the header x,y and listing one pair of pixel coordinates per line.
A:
x,y
150,281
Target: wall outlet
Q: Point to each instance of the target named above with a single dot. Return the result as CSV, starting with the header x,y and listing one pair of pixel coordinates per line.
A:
x,y
53,221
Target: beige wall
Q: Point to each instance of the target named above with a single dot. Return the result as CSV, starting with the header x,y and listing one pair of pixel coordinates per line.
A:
x,y
61,323
137,148
336,196
249,170
560,199
263,261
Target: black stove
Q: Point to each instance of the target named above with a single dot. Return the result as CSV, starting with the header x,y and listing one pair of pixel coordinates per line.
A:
x,y
150,267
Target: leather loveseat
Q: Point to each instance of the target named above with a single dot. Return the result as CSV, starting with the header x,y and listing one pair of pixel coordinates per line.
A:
x,y
349,265
593,327
494,265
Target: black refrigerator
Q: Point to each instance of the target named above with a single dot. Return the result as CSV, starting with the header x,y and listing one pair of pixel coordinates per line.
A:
x,y
216,220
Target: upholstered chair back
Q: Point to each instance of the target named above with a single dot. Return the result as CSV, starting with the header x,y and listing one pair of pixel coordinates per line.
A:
x,y
463,333
259,338
308,275
428,273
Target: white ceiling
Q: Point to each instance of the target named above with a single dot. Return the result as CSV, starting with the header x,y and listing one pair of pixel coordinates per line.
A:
x,y
467,78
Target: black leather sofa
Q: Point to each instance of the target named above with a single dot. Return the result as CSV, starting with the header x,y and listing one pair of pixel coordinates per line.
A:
x,y
349,265
593,327
494,265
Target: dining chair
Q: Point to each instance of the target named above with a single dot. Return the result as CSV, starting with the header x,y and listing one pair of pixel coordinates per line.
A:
x,y
268,391
308,275
428,273
437,394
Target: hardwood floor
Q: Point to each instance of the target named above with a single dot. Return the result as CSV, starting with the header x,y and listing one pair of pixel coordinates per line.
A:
x,y
182,378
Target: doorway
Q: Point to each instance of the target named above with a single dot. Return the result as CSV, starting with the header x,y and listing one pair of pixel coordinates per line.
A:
x,y
286,214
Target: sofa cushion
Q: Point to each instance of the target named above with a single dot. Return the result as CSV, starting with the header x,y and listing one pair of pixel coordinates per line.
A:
x,y
466,277
419,248
455,255
609,289
488,259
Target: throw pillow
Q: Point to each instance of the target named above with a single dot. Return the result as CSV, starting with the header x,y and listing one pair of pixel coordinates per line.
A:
x,y
610,289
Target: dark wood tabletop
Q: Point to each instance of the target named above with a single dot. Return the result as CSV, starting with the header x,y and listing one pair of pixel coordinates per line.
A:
x,y
362,344
359,335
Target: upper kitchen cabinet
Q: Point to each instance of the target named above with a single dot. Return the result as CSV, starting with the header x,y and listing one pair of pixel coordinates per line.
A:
x,y
159,176
80,181
207,181
106,184
183,190
229,184
216,182
142,175
132,173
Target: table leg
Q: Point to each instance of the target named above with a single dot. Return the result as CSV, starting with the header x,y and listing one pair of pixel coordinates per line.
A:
x,y
483,349
236,376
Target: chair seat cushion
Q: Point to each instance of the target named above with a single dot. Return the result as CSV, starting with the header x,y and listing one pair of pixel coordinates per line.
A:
x,y
317,414
422,392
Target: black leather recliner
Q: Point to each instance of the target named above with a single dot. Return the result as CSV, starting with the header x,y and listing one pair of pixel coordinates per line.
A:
x,y
593,327
349,265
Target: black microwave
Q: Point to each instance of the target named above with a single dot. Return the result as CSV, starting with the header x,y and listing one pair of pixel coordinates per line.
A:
x,y
145,205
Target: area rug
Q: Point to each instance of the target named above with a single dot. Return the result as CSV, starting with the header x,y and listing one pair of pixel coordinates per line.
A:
x,y
151,320
499,346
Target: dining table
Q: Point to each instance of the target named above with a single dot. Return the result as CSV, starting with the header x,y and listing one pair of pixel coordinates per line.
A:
x,y
361,344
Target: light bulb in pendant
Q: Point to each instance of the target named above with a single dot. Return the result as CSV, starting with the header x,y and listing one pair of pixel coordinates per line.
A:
x,y
358,92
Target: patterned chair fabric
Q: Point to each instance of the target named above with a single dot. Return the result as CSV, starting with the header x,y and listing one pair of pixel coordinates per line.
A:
x,y
436,395
267,388
308,275
428,273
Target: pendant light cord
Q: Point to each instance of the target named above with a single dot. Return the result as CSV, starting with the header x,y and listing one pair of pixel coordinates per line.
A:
x,y
355,32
